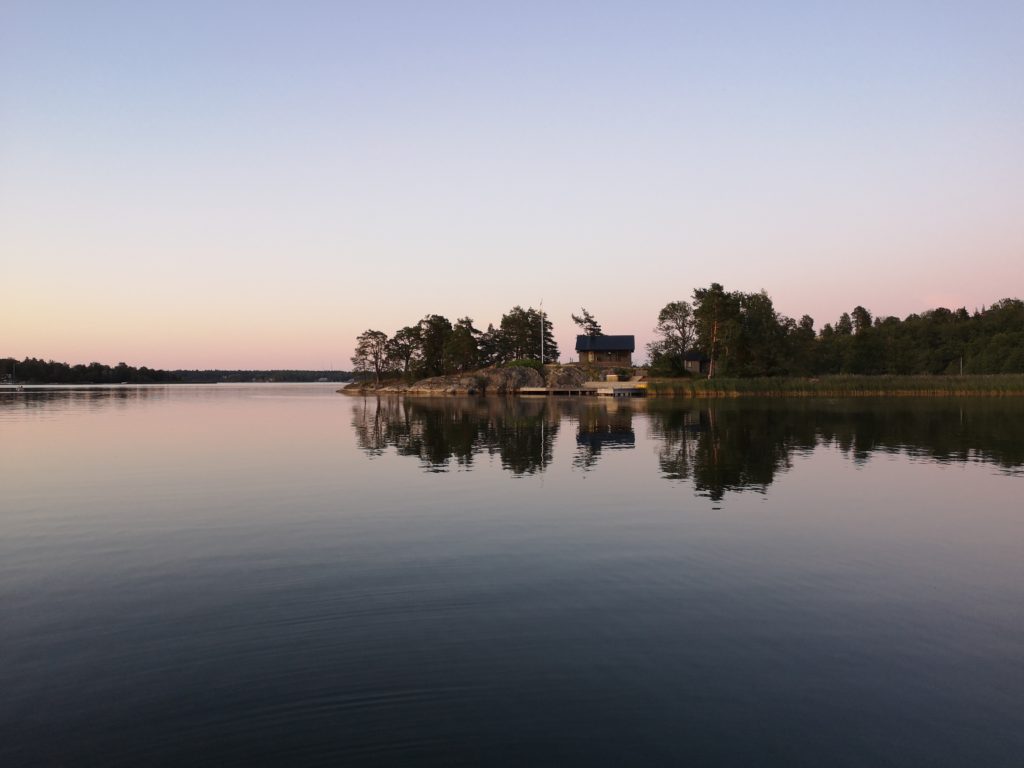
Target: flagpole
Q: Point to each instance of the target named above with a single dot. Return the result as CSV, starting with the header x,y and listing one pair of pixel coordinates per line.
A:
x,y
542,332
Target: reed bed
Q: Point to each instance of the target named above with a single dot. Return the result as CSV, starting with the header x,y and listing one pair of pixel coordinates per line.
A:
x,y
996,385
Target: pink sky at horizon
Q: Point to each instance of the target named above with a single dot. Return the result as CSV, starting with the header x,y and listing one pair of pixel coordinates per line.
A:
x,y
256,333
251,187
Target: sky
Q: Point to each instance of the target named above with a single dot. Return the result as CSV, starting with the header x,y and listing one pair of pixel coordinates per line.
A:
x,y
252,184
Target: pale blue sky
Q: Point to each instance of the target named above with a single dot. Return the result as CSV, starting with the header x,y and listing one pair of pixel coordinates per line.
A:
x,y
252,184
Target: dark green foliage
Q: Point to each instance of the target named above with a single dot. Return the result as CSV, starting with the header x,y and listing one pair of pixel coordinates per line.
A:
x,y
519,336
488,346
759,340
462,348
716,316
404,349
664,366
676,336
861,320
435,331
802,345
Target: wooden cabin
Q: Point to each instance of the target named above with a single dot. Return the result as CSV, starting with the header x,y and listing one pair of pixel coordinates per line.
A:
x,y
696,362
611,351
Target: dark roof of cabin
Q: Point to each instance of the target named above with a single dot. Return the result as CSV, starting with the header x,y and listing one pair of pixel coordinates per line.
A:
x,y
605,344
694,354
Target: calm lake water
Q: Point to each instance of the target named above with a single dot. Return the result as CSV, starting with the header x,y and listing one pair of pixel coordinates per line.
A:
x,y
278,574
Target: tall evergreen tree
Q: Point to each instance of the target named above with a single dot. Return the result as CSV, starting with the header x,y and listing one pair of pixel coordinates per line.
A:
x,y
435,331
520,336
861,319
461,349
716,316
489,346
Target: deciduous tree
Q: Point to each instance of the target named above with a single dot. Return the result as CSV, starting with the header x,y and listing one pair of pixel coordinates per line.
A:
x,y
371,353
676,336
404,348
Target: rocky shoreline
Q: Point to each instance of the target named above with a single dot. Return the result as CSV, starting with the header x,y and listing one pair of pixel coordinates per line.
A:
x,y
486,381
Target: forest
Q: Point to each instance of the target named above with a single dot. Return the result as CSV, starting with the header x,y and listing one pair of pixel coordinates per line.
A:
x,y
742,335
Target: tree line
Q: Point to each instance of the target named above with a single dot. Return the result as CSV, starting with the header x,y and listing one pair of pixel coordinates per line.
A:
x,y
723,333
731,333
244,376
435,346
36,371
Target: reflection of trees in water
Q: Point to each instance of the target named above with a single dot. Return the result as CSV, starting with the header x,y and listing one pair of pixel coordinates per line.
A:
x,y
946,430
521,433
80,399
719,446
604,425
723,449
436,436
741,446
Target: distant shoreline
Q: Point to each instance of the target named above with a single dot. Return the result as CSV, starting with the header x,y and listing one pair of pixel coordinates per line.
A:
x,y
36,371
5,387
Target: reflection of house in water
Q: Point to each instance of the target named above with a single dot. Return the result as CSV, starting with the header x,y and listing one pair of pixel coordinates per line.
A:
x,y
608,425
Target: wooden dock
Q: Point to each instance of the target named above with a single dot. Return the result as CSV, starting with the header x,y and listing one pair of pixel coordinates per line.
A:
x,y
590,389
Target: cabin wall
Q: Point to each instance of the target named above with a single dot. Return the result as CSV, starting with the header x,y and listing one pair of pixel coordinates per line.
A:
x,y
610,359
